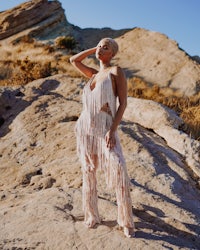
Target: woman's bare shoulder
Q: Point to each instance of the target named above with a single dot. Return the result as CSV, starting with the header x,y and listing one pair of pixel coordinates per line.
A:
x,y
116,70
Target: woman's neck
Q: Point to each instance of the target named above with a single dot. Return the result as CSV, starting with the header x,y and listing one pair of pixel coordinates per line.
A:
x,y
105,65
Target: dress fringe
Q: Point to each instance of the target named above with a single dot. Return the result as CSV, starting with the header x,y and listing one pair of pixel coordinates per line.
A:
x,y
99,108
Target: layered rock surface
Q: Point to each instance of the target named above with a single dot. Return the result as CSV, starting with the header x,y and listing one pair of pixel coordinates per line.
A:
x,y
40,185
150,56
156,59
43,17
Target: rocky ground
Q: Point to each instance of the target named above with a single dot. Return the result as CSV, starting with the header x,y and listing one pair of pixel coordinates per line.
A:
x,y
40,184
40,175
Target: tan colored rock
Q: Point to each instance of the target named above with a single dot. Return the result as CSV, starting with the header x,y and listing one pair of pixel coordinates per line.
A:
x,y
166,124
40,175
148,55
45,212
155,58
46,16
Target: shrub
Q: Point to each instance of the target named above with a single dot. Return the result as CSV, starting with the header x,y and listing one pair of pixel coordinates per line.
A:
x,y
66,42
24,71
34,70
188,108
24,39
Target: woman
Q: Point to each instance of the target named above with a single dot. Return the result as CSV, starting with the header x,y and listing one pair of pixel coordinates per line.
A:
x,y
98,144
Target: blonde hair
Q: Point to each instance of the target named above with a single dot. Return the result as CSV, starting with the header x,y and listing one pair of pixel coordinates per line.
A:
x,y
113,44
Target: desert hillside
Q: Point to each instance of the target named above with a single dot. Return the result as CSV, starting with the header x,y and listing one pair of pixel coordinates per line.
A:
x,y
40,102
35,31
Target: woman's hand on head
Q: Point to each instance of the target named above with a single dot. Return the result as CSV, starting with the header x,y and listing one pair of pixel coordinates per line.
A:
x,y
76,61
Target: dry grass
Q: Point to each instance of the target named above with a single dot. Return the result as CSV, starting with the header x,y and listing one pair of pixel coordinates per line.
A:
x,y
188,108
26,59
21,72
191,116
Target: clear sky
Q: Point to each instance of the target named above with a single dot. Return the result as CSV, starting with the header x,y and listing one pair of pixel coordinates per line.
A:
x,y
178,19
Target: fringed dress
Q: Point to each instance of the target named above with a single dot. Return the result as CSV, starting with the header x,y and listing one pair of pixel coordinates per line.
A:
x,y
99,109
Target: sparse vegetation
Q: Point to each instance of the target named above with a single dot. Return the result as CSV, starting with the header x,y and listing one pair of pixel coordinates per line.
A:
x,y
24,39
29,60
26,60
188,108
33,70
66,42
23,71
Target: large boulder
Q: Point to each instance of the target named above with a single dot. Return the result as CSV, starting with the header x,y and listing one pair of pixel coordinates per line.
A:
x,y
157,59
166,124
42,16
41,180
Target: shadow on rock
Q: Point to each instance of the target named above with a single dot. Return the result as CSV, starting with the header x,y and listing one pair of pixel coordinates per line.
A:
x,y
179,186
161,155
13,102
190,241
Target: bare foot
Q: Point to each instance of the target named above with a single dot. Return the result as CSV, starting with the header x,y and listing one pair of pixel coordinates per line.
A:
x,y
129,232
91,222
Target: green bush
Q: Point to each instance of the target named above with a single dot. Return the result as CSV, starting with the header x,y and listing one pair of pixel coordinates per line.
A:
x,y
66,42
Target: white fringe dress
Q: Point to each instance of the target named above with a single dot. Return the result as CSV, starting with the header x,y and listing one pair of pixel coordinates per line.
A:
x,y
91,128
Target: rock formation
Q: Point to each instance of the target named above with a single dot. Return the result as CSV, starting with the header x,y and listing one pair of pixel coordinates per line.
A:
x,y
40,185
43,17
156,59
45,20
148,55
166,124
41,180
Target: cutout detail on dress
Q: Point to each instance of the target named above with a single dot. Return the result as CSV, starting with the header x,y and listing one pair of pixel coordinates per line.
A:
x,y
106,108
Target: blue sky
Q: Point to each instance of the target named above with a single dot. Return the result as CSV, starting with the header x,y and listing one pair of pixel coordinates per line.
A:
x,y
178,19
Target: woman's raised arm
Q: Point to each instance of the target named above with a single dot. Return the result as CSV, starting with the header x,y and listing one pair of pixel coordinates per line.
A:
x,y
77,59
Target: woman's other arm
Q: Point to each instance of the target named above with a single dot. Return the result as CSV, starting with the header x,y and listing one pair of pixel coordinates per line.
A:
x,y
121,87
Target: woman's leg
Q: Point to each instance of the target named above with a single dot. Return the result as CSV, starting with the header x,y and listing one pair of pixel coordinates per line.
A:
x,y
125,215
117,177
90,198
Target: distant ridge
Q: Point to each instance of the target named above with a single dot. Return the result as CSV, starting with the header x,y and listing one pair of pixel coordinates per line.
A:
x,y
148,55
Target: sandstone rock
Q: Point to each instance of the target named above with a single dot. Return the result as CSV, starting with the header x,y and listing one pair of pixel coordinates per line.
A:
x,y
46,20
166,124
45,211
42,15
42,182
148,55
156,59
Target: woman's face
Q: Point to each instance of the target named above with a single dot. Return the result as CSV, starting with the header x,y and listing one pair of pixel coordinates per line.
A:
x,y
104,50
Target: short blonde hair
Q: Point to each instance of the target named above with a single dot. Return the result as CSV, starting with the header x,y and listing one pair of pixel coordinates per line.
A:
x,y
113,44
